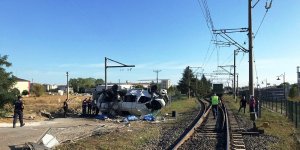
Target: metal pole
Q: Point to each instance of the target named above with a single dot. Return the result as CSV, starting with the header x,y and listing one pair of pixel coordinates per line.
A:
x,y
157,71
189,88
234,72
237,84
67,85
196,84
284,85
105,73
251,89
298,79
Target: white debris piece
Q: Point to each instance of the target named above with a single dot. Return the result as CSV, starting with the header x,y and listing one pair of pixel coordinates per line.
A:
x,y
49,141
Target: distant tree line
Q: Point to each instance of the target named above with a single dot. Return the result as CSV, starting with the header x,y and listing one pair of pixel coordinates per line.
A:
x,y
198,87
80,84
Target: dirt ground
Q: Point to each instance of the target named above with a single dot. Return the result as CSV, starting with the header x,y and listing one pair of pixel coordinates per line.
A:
x,y
37,124
64,129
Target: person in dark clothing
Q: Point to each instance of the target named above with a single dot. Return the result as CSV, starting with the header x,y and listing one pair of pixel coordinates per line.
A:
x,y
252,104
243,103
65,107
84,105
18,112
89,105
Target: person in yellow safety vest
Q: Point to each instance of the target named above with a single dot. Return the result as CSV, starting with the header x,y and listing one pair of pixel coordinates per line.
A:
x,y
215,103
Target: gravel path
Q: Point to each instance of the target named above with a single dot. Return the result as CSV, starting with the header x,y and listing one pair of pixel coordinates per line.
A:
x,y
170,132
255,142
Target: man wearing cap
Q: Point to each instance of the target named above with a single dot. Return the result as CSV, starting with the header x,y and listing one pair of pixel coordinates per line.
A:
x,y
18,112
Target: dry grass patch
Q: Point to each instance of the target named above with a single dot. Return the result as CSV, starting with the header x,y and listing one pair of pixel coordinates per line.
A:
x,y
49,103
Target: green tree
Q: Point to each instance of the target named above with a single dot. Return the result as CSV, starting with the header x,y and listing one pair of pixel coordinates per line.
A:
x,y
186,81
205,86
80,84
16,91
25,92
293,91
139,86
7,80
172,91
99,82
38,89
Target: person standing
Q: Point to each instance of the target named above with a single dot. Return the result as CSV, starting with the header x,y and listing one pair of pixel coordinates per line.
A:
x,y
18,112
243,103
84,105
65,108
89,105
252,104
215,103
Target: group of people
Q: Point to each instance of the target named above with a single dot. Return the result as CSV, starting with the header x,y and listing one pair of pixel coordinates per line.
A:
x,y
216,101
89,108
252,104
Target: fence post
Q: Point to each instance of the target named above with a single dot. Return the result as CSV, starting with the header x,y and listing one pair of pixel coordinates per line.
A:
x,y
281,105
296,110
276,100
288,109
272,103
292,112
285,102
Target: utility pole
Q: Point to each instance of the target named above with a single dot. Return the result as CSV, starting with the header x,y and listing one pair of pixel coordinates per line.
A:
x,y
298,79
115,66
189,76
250,50
67,85
157,71
237,85
234,73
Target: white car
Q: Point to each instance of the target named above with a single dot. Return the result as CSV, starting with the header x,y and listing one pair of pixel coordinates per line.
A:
x,y
136,102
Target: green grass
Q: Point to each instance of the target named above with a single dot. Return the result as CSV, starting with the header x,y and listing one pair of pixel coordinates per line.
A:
x,y
181,105
280,126
142,132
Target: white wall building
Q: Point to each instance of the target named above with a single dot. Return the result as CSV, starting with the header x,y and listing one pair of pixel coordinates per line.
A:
x,y
22,84
49,87
165,83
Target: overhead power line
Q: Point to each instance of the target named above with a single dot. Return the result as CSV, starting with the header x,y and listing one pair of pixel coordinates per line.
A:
x,y
267,6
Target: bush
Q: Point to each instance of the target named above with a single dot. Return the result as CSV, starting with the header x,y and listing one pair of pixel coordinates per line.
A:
x,y
25,92
38,90
293,92
15,91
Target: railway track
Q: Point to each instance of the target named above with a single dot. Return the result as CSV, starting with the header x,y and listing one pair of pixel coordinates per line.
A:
x,y
208,133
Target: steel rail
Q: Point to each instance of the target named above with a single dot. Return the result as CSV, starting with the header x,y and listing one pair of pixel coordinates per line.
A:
x,y
193,126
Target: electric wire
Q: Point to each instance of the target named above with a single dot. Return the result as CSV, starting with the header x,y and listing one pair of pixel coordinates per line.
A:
x,y
261,22
210,25
208,49
240,62
255,3
228,59
206,14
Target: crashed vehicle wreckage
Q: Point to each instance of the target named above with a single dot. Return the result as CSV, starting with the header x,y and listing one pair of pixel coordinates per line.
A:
x,y
133,101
